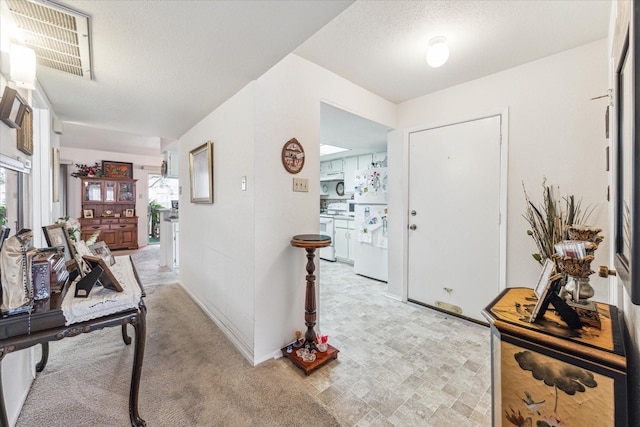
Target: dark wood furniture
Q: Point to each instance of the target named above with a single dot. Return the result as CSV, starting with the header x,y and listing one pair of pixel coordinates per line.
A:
x,y
321,359
550,373
311,242
47,323
106,197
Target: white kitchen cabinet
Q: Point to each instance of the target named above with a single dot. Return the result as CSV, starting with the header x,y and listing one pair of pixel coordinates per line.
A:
x,y
169,244
329,166
364,161
350,168
325,167
344,242
172,164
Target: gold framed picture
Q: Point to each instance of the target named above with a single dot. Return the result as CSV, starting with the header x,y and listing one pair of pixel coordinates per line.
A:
x,y
55,170
25,133
87,213
128,213
117,169
201,173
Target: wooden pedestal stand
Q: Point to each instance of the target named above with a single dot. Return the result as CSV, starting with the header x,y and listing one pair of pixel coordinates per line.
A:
x,y
308,367
311,242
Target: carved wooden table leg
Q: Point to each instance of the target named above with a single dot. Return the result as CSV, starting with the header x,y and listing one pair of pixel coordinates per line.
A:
x,y
44,358
140,325
125,337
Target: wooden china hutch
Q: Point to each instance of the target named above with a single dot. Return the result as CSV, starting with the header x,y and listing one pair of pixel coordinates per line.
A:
x,y
105,205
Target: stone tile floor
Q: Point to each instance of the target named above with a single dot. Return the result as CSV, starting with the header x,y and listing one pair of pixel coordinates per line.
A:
x,y
399,364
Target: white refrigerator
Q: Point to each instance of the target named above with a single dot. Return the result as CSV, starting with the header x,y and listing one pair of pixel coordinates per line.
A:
x,y
370,197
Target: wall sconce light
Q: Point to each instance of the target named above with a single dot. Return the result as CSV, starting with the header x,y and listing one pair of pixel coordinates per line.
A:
x,y
22,63
437,52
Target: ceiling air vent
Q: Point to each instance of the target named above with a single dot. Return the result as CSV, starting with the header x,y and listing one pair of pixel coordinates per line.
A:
x,y
60,36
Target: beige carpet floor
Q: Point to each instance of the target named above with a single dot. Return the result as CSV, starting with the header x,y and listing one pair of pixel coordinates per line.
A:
x,y
192,376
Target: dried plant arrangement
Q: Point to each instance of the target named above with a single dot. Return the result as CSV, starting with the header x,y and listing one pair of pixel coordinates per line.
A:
x,y
550,220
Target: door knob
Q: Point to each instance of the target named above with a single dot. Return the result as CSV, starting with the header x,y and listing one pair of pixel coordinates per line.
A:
x,y
604,271
412,227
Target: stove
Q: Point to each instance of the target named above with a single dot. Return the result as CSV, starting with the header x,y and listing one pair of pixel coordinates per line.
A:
x,y
327,228
338,209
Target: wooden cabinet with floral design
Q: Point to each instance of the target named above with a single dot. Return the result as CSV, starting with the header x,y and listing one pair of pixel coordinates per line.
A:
x,y
545,374
108,206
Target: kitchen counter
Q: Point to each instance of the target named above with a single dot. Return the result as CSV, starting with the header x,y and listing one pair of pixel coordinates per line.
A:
x,y
169,215
169,231
326,215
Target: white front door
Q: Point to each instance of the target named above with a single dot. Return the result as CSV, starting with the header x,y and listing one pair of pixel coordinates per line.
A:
x,y
454,216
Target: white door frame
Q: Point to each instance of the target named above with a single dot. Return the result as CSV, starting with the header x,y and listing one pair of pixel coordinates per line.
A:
x,y
504,156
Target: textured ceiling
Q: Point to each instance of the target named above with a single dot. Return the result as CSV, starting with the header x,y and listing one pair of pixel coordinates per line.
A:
x,y
162,66
381,45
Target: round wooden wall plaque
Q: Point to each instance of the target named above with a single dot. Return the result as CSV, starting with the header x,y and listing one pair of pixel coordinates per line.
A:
x,y
293,156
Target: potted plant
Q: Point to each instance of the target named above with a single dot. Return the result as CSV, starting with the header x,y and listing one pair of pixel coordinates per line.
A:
x,y
154,218
86,170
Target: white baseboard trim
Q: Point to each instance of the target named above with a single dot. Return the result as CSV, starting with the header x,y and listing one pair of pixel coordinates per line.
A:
x,y
229,333
275,355
394,297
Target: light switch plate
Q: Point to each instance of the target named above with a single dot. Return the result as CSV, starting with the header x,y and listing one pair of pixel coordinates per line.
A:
x,y
301,184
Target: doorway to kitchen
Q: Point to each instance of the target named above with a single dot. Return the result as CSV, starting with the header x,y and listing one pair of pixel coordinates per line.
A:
x,y
353,160
162,190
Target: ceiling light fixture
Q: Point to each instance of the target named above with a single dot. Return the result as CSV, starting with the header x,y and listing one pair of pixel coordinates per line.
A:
x,y
22,66
437,51
326,149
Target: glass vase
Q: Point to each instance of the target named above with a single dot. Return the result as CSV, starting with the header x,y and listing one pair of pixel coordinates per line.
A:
x,y
579,288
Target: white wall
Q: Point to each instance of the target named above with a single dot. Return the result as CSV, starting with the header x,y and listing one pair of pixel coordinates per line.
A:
x,y
288,101
241,267
217,251
18,369
555,131
142,167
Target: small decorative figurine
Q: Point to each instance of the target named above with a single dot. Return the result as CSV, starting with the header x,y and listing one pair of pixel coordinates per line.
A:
x,y
322,343
299,340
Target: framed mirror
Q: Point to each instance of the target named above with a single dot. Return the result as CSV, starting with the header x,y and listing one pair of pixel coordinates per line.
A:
x,y
626,149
